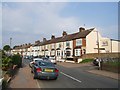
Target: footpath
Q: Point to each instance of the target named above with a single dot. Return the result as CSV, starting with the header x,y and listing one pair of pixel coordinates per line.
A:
x,y
23,79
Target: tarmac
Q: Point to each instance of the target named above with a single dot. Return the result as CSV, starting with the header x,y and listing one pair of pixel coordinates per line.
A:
x,y
23,78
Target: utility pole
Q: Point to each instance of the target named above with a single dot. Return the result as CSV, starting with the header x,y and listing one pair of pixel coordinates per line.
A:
x,y
10,45
98,42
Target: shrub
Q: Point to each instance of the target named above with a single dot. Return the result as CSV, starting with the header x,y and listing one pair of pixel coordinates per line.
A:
x,y
6,63
4,84
17,60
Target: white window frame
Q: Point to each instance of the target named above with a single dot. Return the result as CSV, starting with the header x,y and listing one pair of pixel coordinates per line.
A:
x,y
58,52
68,42
53,46
77,52
78,42
53,52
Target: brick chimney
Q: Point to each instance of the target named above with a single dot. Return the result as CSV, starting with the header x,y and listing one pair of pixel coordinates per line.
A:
x,y
44,39
81,29
52,37
36,42
64,33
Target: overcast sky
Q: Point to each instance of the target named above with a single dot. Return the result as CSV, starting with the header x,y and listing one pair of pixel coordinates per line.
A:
x,y
26,22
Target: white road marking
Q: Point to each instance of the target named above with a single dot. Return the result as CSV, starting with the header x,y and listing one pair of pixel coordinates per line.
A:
x,y
38,84
71,77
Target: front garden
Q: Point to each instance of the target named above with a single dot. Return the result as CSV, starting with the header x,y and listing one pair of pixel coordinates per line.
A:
x,y
9,67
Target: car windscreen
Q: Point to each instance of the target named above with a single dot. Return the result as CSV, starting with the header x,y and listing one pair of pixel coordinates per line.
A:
x,y
45,64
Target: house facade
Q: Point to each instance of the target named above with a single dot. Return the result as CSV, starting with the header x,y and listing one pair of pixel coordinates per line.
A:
x,y
85,41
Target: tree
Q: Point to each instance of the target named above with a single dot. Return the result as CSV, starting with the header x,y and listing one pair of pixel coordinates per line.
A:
x,y
6,48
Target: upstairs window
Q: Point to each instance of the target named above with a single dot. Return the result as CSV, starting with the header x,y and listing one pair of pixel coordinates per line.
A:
x,y
78,42
67,43
59,45
53,46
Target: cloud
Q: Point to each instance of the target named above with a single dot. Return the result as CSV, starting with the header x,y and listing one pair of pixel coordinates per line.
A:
x,y
29,20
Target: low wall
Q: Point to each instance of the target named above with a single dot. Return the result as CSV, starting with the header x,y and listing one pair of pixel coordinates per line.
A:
x,y
101,55
111,68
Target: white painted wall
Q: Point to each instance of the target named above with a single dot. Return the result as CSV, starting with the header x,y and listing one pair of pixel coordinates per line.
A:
x,y
91,42
115,46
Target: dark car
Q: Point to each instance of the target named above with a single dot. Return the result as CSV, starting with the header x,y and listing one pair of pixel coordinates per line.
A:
x,y
95,62
44,70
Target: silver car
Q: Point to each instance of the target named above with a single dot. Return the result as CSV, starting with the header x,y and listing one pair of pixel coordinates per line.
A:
x,y
44,70
34,60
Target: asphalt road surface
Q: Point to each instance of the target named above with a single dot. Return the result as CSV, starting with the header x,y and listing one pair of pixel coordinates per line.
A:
x,y
76,77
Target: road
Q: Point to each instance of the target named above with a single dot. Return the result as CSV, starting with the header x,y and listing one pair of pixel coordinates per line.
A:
x,y
76,77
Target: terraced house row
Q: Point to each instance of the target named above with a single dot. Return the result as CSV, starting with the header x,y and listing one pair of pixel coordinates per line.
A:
x,y
70,45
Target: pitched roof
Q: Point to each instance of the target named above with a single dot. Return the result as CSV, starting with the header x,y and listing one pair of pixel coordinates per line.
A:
x,y
69,37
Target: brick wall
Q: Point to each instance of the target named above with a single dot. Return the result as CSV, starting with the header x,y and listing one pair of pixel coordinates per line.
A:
x,y
101,55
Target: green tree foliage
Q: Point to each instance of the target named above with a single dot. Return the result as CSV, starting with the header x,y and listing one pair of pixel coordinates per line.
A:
x,y
3,54
6,48
6,62
17,60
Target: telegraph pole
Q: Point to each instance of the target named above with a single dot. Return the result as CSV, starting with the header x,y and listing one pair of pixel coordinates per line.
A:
x,y
98,42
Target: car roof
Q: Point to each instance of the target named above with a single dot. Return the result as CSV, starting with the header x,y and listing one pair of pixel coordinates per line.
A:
x,y
37,59
44,61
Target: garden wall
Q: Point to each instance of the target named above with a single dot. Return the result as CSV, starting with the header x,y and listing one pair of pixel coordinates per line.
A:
x,y
101,55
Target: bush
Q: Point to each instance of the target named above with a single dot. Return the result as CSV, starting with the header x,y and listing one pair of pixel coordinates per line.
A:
x,y
4,84
6,63
17,60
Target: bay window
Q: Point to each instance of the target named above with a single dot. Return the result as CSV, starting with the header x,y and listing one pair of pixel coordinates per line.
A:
x,y
77,52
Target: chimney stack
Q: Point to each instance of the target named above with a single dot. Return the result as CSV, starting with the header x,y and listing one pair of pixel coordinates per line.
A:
x,y
81,29
36,42
52,37
44,39
64,33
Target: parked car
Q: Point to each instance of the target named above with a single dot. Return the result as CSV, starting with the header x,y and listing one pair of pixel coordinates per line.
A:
x,y
61,60
52,59
34,60
96,62
44,70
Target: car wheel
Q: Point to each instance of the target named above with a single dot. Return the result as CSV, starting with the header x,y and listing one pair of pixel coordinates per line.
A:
x,y
55,78
34,77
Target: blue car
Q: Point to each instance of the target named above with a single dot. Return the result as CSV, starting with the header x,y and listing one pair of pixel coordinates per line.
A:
x,y
44,70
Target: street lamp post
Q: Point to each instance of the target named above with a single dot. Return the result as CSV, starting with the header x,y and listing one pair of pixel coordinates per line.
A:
x,y
97,42
10,42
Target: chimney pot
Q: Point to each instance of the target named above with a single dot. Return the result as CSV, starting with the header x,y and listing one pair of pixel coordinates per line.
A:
x,y
81,29
44,39
64,33
52,37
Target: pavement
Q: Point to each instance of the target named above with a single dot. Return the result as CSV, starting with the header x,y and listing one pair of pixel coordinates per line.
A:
x,y
23,78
